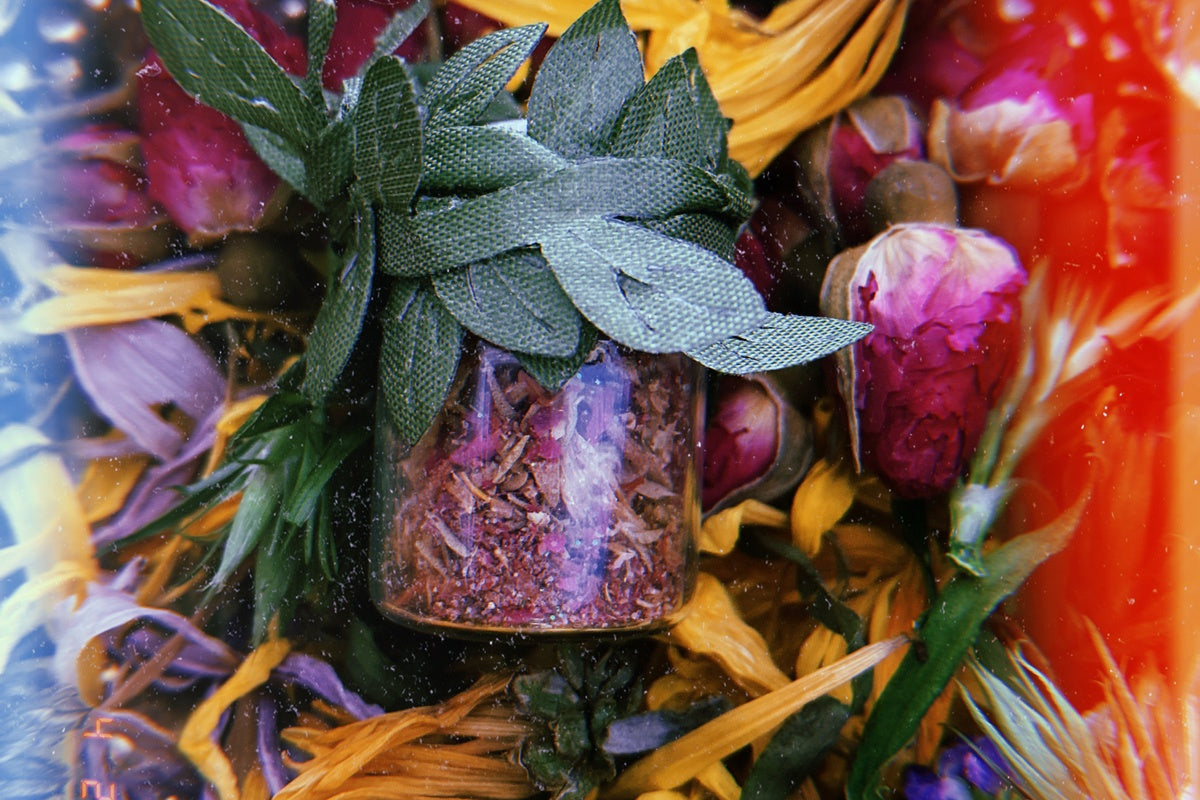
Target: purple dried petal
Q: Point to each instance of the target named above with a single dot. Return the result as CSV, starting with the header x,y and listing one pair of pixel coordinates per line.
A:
x,y
155,493
127,369
319,678
269,758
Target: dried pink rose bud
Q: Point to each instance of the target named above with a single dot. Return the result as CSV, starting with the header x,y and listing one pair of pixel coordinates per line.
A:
x,y
1022,123
944,303
840,157
755,443
99,200
200,166
359,22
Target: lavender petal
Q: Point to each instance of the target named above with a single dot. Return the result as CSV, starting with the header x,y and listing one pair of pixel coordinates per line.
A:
x,y
321,679
126,369
269,758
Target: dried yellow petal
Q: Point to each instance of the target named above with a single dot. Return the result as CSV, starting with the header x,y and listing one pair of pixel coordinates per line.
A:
x,y
821,500
719,533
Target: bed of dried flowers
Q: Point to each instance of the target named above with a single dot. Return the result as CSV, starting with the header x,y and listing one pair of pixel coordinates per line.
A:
x,y
995,187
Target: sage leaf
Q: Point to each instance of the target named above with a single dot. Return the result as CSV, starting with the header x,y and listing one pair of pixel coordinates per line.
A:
x,y
280,155
584,82
648,291
330,162
673,116
552,372
464,87
418,357
387,136
526,214
953,623
403,24
514,301
781,340
219,63
322,16
340,320
795,750
501,157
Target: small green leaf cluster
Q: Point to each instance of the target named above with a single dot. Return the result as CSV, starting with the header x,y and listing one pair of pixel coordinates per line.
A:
x,y
577,701
611,209
281,463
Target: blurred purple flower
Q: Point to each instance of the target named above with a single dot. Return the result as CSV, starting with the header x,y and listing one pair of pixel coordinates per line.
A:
x,y
922,783
944,303
130,368
200,166
962,768
1024,122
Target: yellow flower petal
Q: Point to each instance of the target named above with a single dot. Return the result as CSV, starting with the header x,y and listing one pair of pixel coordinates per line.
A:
x,y
716,778
681,760
712,626
94,296
106,484
195,740
719,533
821,500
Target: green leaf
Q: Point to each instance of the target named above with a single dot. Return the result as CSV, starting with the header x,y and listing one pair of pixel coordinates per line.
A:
x,y
215,60
418,358
674,116
470,80
954,620
648,291
514,301
340,319
256,513
276,586
402,25
280,409
387,136
280,155
553,372
500,156
782,340
526,214
322,16
312,480
711,233
795,750
330,162
584,82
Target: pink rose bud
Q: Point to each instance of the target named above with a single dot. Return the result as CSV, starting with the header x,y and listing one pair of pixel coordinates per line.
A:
x,y
840,157
200,166
755,443
358,23
944,303
1020,124
99,200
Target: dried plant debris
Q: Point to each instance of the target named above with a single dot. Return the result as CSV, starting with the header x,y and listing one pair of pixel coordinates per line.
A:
x,y
527,510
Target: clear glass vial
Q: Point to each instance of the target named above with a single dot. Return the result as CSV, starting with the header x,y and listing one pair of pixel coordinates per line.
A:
x,y
522,510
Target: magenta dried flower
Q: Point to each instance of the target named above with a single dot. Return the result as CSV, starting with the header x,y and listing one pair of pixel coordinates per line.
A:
x,y
944,303
200,166
359,22
1022,123
841,156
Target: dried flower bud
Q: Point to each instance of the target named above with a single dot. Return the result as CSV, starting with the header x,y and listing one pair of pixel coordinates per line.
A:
x,y
755,443
840,157
1019,124
200,166
259,271
99,199
911,191
944,303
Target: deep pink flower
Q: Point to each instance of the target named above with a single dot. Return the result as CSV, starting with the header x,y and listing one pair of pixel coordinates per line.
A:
x,y
200,166
840,156
358,23
944,303
755,443
1025,122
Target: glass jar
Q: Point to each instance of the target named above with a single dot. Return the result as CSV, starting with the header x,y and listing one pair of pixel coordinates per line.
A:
x,y
522,510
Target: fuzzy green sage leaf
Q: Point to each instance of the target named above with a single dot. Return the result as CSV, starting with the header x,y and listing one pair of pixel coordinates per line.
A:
x,y
469,81
213,58
780,340
387,136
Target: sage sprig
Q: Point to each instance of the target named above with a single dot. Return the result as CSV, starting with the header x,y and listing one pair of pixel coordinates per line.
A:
x,y
611,209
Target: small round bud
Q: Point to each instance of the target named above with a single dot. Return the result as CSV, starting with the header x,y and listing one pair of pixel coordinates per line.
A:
x,y
258,271
911,191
